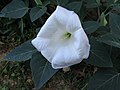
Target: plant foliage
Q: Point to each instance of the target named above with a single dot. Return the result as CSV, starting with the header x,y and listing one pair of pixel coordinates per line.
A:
x,y
41,70
19,19
15,9
21,53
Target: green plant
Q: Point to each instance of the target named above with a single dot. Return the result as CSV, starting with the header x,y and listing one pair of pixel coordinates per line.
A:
x,y
101,22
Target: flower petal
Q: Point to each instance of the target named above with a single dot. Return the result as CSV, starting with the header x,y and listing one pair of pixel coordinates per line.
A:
x,y
57,21
65,56
74,23
74,52
47,47
40,43
48,53
62,16
82,43
68,19
50,27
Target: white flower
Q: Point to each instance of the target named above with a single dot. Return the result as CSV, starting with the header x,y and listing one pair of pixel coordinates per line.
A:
x,y
62,40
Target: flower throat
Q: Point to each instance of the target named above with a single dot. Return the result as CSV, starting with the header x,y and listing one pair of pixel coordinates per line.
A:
x,y
67,35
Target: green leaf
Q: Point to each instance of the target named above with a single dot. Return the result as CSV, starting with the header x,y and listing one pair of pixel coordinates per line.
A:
x,y
37,12
75,6
114,21
99,55
41,70
21,53
103,20
116,63
15,9
38,2
105,79
91,26
115,53
110,39
62,2
93,3
82,13
102,30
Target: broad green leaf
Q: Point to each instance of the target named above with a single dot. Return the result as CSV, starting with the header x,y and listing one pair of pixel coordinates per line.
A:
x,y
103,20
82,13
75,6
21,53
37,12
102,30
99,55
114,21
115,53
41,70
15,9
110,39
116,63
105,79
93,3
91,26
62,2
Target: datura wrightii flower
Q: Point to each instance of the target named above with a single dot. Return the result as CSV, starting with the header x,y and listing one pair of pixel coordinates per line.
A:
x,y
62,40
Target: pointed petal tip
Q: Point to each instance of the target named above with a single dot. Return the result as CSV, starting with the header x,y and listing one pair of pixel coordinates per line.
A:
x,y
36,43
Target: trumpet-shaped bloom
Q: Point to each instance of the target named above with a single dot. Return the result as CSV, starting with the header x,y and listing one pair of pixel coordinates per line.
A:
x,y
62,40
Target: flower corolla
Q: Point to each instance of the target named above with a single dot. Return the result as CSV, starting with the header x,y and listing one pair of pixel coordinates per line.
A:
x,y
62,40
